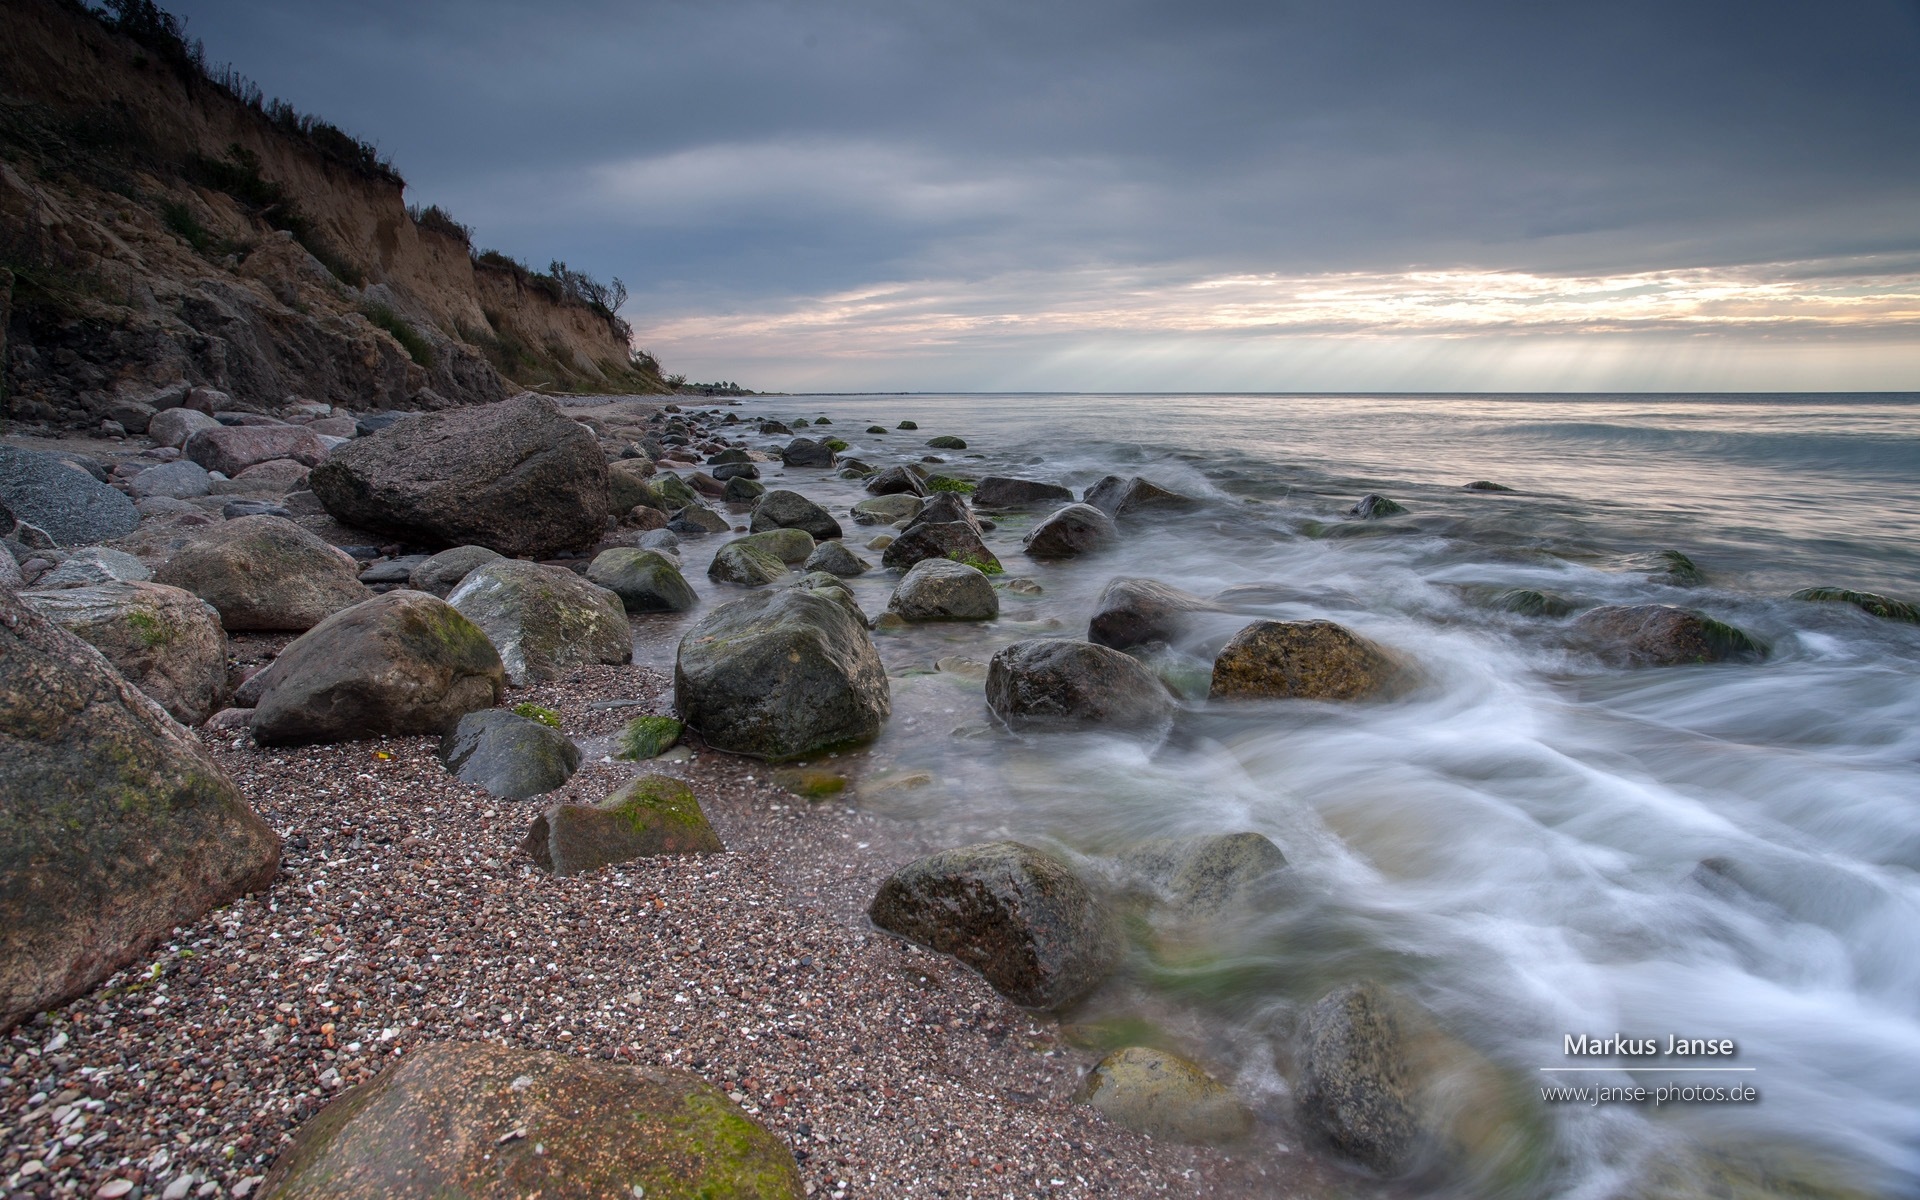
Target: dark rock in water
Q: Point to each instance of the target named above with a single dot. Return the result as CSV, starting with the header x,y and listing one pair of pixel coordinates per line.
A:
x,y
1131,497
956,540
835,558
946,442
401,664
887,510
231,451
630,486
652,815
739,470
1485,485
698,520
519,477
1660,635
945,507
167,642
745,565
1872,603
1301,660
1070,532
779,675
544,621
264,573
1160,1094
743,491
1670,567
118,824
805,452
896,481
877,429
772,428
732,456
782,509
1205,875
790,546
907,425
834,588
646,737
1530,603
73,507
673,492
1133,612
645,580
998,491
1017,915
1052,684
481,1120
509,755
938,589
440,574
1373,506
1356,1087
706,485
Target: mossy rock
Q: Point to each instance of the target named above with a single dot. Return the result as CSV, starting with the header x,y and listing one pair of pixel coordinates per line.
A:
x,y
535,712
672,492
1531,603
1660,635
1872,603
1373,506
790,546
946,441
1159,1093
652,815
908,425
747,566
646,737
950,483
1303,660
1485,485
876,429
510,756
544,621
834,444
814,783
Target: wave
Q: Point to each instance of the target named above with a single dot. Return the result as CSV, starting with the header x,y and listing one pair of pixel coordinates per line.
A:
x,y
1818,451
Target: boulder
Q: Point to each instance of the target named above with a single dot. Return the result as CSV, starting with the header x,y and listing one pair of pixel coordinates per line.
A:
x,y
518,477
782,509
959,541
698,520
1019,916
400,664
439,574
1133,612
645,580
183,479
1061,684
1301,660
95,565
1357,1089
1132,496
673,493
706,485
652,815
166,642
1872,603
118,824
66,502
1206,875
835,589
938,589
746,565
742,491
908,425
133,416
231,450
1660,635
790,546
1070,532
491,1122
805,452
173,426
508,755
627,486
887,510
276,475
835,559
946,441
944,507
737,470
1373,506
1529,602
896,481
544,621
1485,485
779,675
1158,1093
999,491
264,573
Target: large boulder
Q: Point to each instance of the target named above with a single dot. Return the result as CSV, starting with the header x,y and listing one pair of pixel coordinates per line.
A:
x,y
1357,1087
73,507
115,824
265,573
509,755
167,642
1019,916
1660,635
672,493
490,1122
518,477
782,509
180,480
627,486
745,565
646,581
1207,875
999,491
779,675
805,452
1070,532
400,664
440,573
1159,1093
790,546
232,449
938,589
1301,660
92,566
836,559
544,621
1054,684
896,481
1133,612
173,426
959,541
652,815
1129,497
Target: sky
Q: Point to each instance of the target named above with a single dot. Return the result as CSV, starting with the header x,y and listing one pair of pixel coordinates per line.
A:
x,y
1114,195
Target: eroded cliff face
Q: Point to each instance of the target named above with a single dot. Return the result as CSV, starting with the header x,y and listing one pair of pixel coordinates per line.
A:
x,y
159,228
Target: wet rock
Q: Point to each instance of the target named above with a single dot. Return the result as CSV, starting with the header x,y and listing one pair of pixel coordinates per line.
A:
x,y
938,589
1373,505
509,755
706,485
790,546
1070,532
1531,603
1485,485
652,815
663,540
742,469
179,480
907,425
1133,612
1206,875
481,1120
999,491
1130,497
68,504
833,588
836,559
1165,1096
1019,916
698,520
645,737
400,664
95,565
231,450
276,476
805,452
673,492
781,509
779,675
645,580
442,572
745,565
896,481
119,825
946,442
1356,1088
628,487
1050,684
1669,567
544,621
1660,635
264,573
1301,660
1872,603
393,573
886,510
743,491
166,642
959,541
175,425
517,476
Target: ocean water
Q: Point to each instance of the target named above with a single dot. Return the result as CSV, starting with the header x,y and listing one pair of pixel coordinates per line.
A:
x,y
1518,841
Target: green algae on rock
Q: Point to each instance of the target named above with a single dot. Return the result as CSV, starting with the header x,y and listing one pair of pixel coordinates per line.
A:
x,y
652,815
646,737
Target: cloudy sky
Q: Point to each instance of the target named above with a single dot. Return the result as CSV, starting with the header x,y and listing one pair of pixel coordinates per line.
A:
x,y
1122,195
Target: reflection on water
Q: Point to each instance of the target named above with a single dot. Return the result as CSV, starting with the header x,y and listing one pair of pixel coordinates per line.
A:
x,y
1530,843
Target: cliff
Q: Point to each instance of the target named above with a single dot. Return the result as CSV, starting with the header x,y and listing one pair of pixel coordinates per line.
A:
x,y
161,222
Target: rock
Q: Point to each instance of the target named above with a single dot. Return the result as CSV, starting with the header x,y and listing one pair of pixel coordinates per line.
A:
x,y
805,452
1133,612
1061,684
779,675
1206,875
231,450
1872,603
179,480
264,573
94,565
896,481
907,425
781,509
280,475
398,665
1163,1095
394,573
1356,1088
517,477
956,540
835,589
71,506
645,580
627,486
1130,497
998,491
509,755
1485,485
698,520
1070,532
706,485
473,1119
166,642
1302,660
946,442
835,559
133,416
544,621
742,491
790,546
253,508
1530,603
746,565
885,510
652,815
937,589
119,825
672,492
946,507
1669,567
439,574
175,425
645,737
1017,915
1660,635
344,428
741,469
1373,506
663,540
